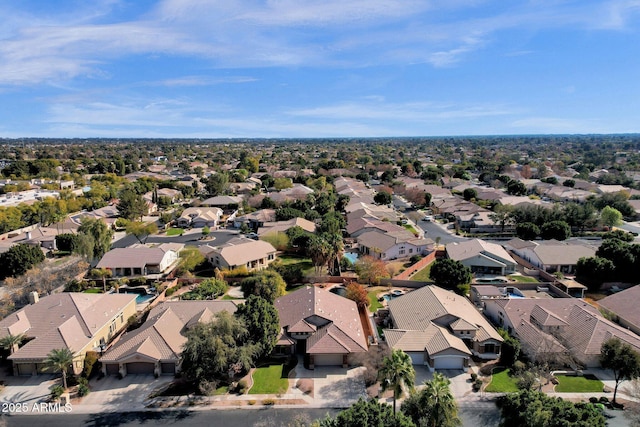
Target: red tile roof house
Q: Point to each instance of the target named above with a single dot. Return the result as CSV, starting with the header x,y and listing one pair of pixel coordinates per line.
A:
x,y
77,321
156,347
323,326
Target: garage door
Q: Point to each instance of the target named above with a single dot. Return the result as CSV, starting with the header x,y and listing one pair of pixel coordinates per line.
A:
x,y
448,362
417,358
327,359
140,368
168,368
25,368
112,369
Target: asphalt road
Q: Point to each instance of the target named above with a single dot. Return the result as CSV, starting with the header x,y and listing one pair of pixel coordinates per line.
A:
x,y
485,415
220,237
433,230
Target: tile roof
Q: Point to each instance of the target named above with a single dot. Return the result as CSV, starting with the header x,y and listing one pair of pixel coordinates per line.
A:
x,y
476,247
336,319
62,320
561,253
417,309
624,304
161,337
137,256
434,339
241,251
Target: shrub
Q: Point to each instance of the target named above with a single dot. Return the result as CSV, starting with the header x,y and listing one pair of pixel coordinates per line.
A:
x,y
477,384
56,392
593,399
241,387
83,390
518,367
414,259
171,291
604,399
75,286
90,360
251,402
241,271
474,377
268,402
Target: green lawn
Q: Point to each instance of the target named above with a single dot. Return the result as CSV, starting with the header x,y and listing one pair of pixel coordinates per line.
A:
x,y
93,291
229,297
501,382
523,279
410,228
374,304
423,275
570,384
175,232
305,263
269,380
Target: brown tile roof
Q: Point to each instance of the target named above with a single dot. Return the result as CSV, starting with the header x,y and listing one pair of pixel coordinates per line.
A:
x,y
434,339
241,251
161,337
133,257
624,304
62,320
417,309
335,317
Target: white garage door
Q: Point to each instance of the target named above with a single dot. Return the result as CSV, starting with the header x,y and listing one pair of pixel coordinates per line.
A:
x,y
448,362
327,359
417,358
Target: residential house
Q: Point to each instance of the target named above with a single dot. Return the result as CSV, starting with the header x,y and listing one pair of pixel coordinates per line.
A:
x,y
223,202
283,226
323,326
552,255
141,260
392,245
558,330
482,257
623,308
156,346
199,217
256,219
238,252
76,321
440,329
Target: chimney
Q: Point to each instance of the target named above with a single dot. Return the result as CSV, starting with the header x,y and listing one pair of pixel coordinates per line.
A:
x,y
33,297
28,235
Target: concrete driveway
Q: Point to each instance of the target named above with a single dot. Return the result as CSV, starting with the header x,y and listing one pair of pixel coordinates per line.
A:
x,y
333,386
110,394
29,390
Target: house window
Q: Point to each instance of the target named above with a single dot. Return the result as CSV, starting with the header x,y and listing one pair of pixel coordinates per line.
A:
x,y
401,252
489,348
112,327
270,257
411,251
121,318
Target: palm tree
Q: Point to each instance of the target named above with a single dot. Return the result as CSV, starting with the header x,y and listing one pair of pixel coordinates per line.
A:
x,y
60,360
102,273
396,373
441,405
11,342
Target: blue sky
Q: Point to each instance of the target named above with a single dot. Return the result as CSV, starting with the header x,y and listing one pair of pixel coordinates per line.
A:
x,y
318,68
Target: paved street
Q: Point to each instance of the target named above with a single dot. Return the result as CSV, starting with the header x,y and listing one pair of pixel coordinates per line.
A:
x,y
190,238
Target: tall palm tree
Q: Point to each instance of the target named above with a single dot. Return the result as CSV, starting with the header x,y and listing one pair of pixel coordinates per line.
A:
x,y
60,360
102,273
441,406
11,342
396,373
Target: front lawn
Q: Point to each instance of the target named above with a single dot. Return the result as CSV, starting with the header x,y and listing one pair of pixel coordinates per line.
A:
x,y
305,263
523,279
269,380
175,232
374,304
423,275
501,382
571,384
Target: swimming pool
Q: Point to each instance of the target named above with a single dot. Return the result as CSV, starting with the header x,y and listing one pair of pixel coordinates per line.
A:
x,y
141,299
352,257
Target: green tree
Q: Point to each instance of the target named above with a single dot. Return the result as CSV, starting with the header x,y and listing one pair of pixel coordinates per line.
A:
x,y
450,274
382,198
610,217
319,250
510,349
11,342
18,259
501,215
217,184
434,405
141,230
397,373
593,271
207,289
470,193
216,351
190,259
60,360
99,233
282,183
102,273
527,231
262,322
67,242
367,413
267,284
131,205
558,230
623,361
529,408
516,188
